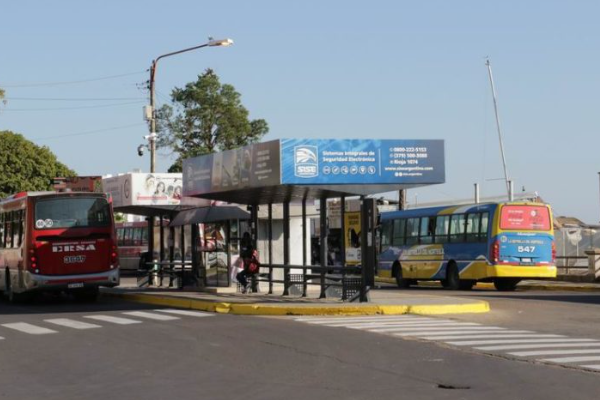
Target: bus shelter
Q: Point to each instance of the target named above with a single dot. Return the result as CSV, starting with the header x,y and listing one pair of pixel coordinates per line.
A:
x,y
297,171
175,245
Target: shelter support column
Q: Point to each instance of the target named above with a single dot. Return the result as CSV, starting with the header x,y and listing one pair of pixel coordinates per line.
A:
x,y
197,275
304,260
323,242
343,244
368,256
286,248
161,247
270,238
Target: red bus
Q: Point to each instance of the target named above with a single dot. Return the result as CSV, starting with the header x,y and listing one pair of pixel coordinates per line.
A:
x,y
52,241
132,241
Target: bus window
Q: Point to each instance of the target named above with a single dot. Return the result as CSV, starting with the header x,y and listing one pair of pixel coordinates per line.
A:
x,y
137,236
412,230
21,223
472,227
127,239
441,229
120,233
386,233
144,236
1,230
399,232
457,228
426,231
8,230
483,231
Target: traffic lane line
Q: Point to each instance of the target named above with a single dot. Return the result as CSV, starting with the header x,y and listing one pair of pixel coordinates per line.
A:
x,y
397,324
29,328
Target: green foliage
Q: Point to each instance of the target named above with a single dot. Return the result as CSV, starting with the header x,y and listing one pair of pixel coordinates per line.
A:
x,y
206,116
26,166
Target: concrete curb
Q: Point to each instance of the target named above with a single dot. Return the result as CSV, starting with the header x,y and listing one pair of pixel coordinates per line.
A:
x,y
301,309
487,285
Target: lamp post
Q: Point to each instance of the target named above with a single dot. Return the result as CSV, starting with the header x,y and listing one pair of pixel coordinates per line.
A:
x,y
152,136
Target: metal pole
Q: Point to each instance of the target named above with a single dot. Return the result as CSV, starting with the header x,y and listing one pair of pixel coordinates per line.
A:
x,y
599,182
476,193
489,67
343,245
304,247
511,193
286,248
323,252
152,137
270,221
402,199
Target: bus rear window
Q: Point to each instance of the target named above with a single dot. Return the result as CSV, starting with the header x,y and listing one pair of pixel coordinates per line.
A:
x,y
534,218
72,212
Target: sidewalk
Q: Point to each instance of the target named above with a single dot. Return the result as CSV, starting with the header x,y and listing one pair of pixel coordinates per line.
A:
x,y
387,302
529,284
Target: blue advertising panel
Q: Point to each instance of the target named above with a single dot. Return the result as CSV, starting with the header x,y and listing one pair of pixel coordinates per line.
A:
x,y
361,161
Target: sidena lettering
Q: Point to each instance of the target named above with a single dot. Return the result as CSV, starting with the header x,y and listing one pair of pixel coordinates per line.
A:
x,y
63,248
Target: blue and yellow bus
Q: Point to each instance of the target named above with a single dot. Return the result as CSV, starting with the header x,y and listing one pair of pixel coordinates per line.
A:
x,y
461,245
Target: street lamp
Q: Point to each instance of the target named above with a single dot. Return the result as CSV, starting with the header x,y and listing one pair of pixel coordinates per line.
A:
x,y
152,136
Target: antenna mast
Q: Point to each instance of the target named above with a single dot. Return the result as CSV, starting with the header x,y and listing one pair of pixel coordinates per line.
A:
x,y
489,67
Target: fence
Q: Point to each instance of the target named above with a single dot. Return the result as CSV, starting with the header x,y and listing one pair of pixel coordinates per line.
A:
x,y
571,244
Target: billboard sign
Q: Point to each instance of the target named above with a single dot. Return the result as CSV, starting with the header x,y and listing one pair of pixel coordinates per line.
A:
x,y
316,162
359,161
249,166
144,189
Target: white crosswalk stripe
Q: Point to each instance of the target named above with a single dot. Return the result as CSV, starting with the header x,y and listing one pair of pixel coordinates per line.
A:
x,y
149,315
479,337
514,341
553,352
490,336
596,367
187,313
29,328
562,360
537,346
114,320
461,333
70,323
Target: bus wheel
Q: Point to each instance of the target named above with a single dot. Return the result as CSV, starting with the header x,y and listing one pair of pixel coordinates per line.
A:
x,y
506,285
88,295
452,281
401,282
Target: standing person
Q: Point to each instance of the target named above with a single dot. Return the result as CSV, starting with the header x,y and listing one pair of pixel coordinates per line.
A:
x,y
247,255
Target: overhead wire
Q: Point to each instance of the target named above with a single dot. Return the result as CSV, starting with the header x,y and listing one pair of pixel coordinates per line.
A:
x,y
73,108
72,98
83,133
74,82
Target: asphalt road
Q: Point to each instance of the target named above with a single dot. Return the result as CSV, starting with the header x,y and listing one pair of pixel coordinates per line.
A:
x,y
50,350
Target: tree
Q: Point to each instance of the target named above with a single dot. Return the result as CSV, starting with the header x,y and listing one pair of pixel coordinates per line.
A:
x,y
26,166
206,116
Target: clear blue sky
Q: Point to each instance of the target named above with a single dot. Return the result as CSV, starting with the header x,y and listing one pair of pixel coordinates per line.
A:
x,y
328,69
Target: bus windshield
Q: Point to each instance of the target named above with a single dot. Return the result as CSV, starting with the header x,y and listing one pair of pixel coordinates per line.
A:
x,y
517,217
79,212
